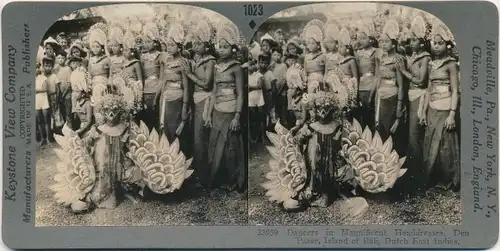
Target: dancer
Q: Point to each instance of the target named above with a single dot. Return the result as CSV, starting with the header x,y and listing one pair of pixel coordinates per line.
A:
x,y
441,144
226,156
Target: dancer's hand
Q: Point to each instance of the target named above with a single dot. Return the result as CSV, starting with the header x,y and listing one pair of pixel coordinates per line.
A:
x,y
423,121
394,126
208,122
179,128
185,66
449,124
235,125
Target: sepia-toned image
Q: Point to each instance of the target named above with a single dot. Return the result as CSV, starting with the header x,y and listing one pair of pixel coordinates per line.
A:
x,y
141,118
354,117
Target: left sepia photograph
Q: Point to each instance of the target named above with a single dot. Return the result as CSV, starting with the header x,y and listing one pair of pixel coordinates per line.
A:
x,y
140,118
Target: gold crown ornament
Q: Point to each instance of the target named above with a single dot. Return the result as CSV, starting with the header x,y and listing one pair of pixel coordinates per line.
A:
x,y
150,31
314,31
418,27
440,29
115,35
366,27
176,33
391,29
229,33
203,31
331,31
344,36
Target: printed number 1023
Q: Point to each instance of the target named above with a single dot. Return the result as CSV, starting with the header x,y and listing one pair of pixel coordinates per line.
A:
x,y
267,232
253,9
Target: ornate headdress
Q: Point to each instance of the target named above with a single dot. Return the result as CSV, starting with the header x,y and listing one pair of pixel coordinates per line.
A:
x,y
440,29
128,40
97,34
203,31
115,35
366,27
176,33
135,26
314,30
332,30
150,30
228,32
418,27
391,29
344,36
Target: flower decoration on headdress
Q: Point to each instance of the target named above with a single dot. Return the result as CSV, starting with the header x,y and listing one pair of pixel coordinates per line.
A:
x,y
366,27
228,32
440,29
418,27
176,33
115,35
314,30
150,30
332,31
203,31
97,34
391,29
344,37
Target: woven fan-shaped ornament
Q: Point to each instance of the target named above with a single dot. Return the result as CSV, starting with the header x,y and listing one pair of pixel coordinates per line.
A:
x,y
135,27
331,31
97,33
367,28
418,27
345,36
128,40
176,33
391,29
314,30
203,31
115,35
228,32
406,34
150,30
440,29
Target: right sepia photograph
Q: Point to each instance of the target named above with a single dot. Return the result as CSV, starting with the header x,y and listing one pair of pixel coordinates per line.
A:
x,y
354,117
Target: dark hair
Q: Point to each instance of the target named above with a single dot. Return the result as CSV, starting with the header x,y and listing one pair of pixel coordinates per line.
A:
x,y
111,51
156,45
271,43
350,50
278,50
264,57
395,43
424,43
48,60
62,53
135,53
299,50
210,48
291,56
373,41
